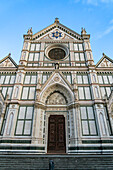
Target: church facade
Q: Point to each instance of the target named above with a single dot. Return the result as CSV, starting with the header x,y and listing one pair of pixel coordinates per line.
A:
x,y
56,100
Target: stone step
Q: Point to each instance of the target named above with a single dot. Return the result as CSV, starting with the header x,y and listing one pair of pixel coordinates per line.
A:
x,y
61,162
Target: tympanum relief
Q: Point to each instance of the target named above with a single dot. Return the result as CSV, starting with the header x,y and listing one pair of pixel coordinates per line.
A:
x,y
56,99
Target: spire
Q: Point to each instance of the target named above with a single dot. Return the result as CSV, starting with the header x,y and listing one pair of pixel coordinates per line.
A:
x,y
56,20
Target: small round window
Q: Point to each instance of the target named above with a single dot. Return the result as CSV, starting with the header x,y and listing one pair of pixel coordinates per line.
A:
x,y
56,54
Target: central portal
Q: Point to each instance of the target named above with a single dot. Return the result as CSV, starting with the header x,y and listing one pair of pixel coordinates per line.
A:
x,y
56,134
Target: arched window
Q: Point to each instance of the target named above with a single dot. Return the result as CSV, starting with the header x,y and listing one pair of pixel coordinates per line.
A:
x,y
19,78
16,92
96,92
94,78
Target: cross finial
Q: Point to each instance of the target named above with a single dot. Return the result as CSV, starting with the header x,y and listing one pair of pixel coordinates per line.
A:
x,y
56,20
103,54
9,54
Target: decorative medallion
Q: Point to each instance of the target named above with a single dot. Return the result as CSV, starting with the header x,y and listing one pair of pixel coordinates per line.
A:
x,y
56,35
56,79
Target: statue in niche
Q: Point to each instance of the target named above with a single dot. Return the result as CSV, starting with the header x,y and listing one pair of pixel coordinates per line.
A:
x,y
56,65
37,96
74,81
39,83
39,80
76,95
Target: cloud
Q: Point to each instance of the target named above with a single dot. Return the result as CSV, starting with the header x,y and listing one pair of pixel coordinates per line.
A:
x,y
107,31
94,2
111,22
107,1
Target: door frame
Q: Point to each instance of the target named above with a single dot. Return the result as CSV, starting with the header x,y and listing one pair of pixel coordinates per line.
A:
x,y
48,113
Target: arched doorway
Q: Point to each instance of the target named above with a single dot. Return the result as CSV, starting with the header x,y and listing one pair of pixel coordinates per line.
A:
x,y
56,123
58,101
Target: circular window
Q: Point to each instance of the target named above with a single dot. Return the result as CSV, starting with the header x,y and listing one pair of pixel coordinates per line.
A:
x,y
57,52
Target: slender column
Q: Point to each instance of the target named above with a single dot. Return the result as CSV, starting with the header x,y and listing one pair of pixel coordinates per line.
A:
x,y
78,122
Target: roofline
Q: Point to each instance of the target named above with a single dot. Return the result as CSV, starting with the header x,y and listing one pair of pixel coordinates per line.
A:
x,y
9,56
104,56
57,25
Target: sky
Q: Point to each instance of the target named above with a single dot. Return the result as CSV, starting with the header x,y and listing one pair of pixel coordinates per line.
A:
x,y
17,16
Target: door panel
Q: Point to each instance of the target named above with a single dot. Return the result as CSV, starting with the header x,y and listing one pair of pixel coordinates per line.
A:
x,y
56,134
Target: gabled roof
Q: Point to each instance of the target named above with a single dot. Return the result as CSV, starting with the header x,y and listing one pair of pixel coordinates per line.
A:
x,y
56,24
9,59
105,59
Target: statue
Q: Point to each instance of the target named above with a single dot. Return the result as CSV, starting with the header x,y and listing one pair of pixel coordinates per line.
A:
x,y
29,32
56,65
83,31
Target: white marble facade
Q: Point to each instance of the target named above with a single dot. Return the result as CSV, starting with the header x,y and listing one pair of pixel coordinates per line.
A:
x,y
56,75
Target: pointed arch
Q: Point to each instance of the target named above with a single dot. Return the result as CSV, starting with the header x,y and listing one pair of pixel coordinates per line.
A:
x,y
68,95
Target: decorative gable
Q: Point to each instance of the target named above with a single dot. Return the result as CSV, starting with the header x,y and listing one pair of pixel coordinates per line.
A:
x,y
56,82
105,62
57,34
58,78
7,62
55,31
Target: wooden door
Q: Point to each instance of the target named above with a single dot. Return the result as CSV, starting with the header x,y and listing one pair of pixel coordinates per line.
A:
x,y
56,134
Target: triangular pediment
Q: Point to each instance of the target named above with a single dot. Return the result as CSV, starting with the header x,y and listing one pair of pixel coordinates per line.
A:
x,y
7,62
57,78
57,34
50,32
55,83
105,62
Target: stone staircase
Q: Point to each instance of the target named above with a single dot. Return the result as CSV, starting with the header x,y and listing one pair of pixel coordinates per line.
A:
x,y
61,162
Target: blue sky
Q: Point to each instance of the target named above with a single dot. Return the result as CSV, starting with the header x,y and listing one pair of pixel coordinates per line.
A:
x,y
17,16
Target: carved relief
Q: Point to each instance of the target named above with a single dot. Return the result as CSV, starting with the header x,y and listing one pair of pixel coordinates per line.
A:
x,y
56,98
7,63
56,78
106,63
